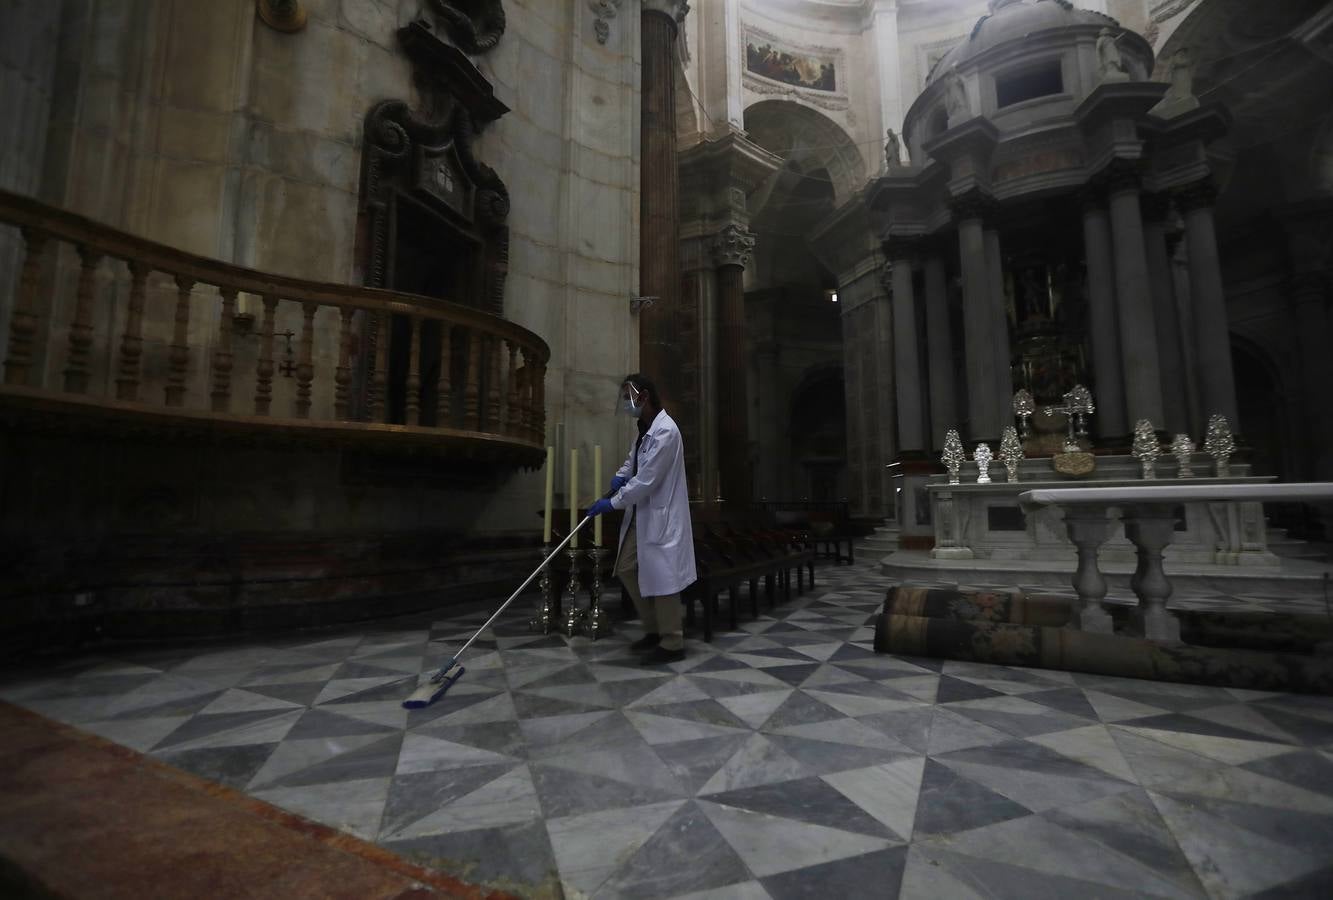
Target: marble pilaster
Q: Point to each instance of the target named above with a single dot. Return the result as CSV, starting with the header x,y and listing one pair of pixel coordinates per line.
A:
x,y
906,364
1002,383
731,251
985,421
1103,325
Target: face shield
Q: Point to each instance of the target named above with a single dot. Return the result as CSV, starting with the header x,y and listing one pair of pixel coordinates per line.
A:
x,y
631,400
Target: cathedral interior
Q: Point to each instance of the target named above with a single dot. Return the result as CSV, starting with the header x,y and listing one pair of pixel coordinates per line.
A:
x,y
1001,325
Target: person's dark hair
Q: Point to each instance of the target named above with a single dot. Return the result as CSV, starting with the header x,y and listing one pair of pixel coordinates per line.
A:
x,y
643,385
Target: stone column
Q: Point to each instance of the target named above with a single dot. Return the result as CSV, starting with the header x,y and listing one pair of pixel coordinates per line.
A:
x,y
1308,292
1103,330
1003,381
1212,334
659,202
1171,362
939,344
770,432
1138,328
984,420
731,252
906,365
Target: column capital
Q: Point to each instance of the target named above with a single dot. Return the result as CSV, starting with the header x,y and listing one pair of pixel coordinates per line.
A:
x,y
1197,195
732,246
975,204
901,247
1092,197
675,10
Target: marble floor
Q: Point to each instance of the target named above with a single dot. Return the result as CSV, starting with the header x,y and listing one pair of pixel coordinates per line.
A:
x,y
783,760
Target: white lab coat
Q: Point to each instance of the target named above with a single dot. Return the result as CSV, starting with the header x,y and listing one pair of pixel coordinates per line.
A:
x,y
659,503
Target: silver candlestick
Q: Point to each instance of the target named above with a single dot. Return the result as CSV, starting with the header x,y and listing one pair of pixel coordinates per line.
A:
x,y
1011,453
596,623
1182,448
573,616
1219,444
1146,449
953,455
982,457
544,620
1023,409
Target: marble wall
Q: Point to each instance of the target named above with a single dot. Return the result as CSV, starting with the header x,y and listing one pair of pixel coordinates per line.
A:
x,y
197,125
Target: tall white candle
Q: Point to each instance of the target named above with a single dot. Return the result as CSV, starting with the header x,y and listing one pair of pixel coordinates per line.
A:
x,y
597,486
549,497
573,494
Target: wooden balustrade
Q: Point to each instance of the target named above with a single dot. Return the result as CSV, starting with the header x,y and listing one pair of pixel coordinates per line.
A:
x,y
383,374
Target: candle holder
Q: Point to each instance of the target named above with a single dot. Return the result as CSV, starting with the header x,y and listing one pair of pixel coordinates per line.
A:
x,y
1182,448
544,620
1219,444
596,623
572,616
1011,453
1146,449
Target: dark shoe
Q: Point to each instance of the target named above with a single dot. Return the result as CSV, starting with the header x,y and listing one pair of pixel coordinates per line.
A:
x,y
647,642
661,656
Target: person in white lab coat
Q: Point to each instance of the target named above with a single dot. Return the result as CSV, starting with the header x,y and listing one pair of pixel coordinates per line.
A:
x,y
655,560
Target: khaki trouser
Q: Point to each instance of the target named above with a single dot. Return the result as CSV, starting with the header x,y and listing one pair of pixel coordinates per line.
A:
x,y
660,615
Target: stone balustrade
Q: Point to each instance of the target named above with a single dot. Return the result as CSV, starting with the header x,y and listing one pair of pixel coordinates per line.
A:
x,y
156,336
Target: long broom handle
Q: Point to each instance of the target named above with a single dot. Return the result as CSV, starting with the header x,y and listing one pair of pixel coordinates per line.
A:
x,y
512,597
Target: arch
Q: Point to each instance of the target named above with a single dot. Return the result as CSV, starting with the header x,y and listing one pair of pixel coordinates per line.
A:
x,y
807,140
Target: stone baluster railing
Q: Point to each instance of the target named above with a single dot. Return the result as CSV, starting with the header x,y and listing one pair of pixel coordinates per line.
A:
x,y
196,303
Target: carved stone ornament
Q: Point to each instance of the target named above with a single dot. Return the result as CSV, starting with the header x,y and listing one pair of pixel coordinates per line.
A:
x,y
732,246
1146,449
1219,444
282,15
953,455
982,457
676,9
604,11
476,26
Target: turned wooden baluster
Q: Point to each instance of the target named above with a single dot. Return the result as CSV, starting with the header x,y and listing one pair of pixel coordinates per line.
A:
x,y
342,377
222,356
264,371
472,387
413,398
81,329
178,358
511,417
539,402
492,422
305,367
131,342
529,395
444,398
379,399
23,320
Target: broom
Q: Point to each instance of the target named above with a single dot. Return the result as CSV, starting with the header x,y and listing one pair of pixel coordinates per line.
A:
x,y
433,688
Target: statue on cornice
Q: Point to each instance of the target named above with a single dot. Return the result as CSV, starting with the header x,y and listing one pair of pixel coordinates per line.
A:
x,y
892,151
1110,65
955,98
1179,97
475,25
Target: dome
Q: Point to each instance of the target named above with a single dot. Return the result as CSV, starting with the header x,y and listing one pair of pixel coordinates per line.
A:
x,y
1011,20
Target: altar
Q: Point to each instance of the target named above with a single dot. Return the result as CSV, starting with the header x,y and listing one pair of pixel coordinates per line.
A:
x,y
984,521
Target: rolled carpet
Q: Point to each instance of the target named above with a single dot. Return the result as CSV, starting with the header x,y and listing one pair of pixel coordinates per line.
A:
x,y
1008,644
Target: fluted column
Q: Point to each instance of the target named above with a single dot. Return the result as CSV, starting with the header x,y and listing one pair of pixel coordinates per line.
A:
x,y
1171,364
1002,383
984,420
659,203
731,252
1212,335
906,364
1103,327
939,344
1138,327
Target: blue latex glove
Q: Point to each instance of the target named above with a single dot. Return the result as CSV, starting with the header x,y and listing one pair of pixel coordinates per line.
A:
x,y
618,482
601,507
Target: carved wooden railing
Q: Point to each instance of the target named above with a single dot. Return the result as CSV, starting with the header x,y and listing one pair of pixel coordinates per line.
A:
x,y
486,397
